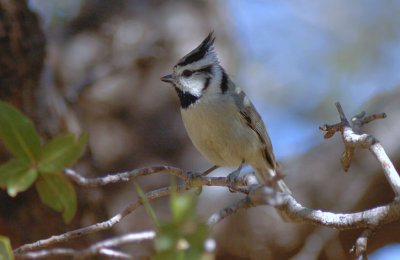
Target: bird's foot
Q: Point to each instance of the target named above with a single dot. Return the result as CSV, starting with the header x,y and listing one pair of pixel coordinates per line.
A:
x,y
192,176
233,177
191,181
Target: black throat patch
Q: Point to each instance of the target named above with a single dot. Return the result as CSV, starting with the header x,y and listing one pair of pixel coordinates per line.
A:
x,y
224,82
186,98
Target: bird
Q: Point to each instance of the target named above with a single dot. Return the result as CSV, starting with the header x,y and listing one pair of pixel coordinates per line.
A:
x,y
219,118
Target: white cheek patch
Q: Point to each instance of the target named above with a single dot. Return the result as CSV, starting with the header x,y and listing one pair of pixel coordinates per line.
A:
x,y
192,85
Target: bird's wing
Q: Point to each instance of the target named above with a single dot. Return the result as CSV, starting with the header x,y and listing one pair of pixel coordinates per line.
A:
x,y
251,118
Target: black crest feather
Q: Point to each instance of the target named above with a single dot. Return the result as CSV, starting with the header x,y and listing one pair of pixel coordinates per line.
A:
x,y
199,52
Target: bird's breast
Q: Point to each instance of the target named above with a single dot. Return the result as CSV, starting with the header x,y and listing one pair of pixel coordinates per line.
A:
x,y
218,133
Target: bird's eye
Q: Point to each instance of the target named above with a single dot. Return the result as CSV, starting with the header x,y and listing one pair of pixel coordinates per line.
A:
x,y
187,73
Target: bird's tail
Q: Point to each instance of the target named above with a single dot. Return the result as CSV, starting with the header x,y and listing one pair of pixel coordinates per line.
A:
x,y
266,175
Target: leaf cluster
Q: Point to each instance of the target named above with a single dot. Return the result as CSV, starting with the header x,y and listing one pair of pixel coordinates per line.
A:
x,y
184,236
38,164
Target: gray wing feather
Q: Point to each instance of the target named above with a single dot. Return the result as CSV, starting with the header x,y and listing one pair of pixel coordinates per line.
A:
x,y
251,117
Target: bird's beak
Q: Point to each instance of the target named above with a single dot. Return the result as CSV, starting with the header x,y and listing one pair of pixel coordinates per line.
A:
x,y
167,78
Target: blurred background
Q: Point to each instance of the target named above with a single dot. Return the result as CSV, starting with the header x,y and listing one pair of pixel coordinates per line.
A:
x,y
94,66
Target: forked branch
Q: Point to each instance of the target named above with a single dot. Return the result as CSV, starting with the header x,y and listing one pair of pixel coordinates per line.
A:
x,y
370,219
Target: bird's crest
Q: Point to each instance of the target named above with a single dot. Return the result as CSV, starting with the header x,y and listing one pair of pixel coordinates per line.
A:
x,y
206,46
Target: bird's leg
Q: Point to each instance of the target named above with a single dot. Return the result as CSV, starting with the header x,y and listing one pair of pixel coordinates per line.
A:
x,y
193,175
233,176
209,170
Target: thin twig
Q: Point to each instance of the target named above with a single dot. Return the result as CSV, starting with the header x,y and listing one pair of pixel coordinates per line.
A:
x,y
298,213
114,254
52,252
373,117
190,178
196,181
123,176
331,129
390,172
352,139
98,226
100,248
228,211
360,248
116,241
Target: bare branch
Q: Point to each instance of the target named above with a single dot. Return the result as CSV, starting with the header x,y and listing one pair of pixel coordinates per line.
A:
x,y
360,248
115,241
331,129
297,213
98,226
228,211
346,158
342,116
99,248
114,254
352,139
371,118
123,176
194,180
53,252
256,195
388,168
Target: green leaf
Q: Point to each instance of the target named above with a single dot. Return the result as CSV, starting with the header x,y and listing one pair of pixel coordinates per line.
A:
x,y
182,206
61,152
147,205
5,249
58,193
183,237
18,133
17,175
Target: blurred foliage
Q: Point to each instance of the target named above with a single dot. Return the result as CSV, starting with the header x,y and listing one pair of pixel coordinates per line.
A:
x,y
147,206
184,236
5,249
33,162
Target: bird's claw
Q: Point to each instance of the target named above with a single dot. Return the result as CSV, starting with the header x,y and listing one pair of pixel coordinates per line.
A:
x,y
233,177
192,175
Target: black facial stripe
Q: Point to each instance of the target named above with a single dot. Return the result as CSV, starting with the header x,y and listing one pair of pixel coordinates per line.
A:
x,y
186,98
187,73
206,69
199,52
224,82
207,83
